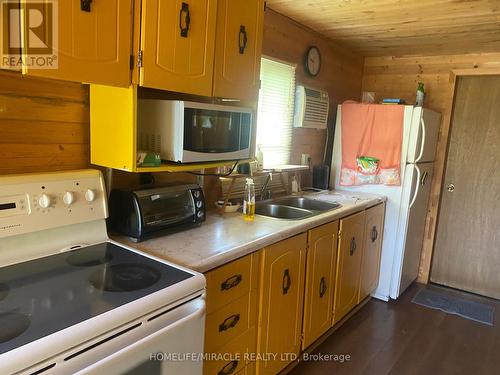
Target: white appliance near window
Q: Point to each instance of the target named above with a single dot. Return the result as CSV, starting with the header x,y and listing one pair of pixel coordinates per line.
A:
x,y
73,301
188,132
407,204
311,108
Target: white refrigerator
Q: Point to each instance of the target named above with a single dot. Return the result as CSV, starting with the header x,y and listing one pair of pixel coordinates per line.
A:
x,y
407,204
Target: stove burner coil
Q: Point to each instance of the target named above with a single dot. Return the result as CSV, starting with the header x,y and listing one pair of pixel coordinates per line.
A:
x,y
13,324
125,277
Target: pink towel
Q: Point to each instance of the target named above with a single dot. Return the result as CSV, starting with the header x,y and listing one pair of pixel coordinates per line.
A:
x,y
374,131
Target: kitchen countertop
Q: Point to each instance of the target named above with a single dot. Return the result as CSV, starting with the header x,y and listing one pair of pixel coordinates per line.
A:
x,y
222,239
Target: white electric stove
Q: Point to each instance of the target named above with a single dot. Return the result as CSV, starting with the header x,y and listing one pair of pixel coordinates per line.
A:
x,y
73,301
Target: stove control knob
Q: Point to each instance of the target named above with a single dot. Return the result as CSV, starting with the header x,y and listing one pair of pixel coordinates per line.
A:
x,y
90,195
68,198
44,201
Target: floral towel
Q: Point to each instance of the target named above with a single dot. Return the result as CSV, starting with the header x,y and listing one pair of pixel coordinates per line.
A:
x,y
372,136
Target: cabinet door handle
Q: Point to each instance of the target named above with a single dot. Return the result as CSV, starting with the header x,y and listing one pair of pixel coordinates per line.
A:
x,y
242,39
187,20
374,233
229,368
322,287
229,322
231,282
353,246
85,5
287,281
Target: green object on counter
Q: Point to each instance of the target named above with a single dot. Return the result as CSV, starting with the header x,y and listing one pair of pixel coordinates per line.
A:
x,y
420,94
150,159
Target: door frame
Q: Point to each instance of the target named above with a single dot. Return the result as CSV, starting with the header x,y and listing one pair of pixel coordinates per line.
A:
x,y
440,169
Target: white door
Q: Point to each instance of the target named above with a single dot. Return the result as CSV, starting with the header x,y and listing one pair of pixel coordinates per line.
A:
x,y
423,135
415,225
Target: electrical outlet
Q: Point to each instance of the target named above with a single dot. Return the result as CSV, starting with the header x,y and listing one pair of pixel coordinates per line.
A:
x,y
305,159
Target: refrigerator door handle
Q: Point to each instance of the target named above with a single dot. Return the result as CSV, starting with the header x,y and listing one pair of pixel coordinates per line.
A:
x,y
422,144
417,184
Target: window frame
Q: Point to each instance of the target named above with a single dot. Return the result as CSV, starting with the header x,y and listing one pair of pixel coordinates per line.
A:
x,y
291,105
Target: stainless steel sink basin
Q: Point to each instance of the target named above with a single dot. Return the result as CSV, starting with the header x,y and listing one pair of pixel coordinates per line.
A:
x,y
281,212
293,208
307,204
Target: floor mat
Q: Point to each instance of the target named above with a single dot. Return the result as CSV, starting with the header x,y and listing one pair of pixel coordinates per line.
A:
x,y
447,301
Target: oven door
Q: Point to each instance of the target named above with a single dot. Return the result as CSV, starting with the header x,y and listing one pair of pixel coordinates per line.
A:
x,y
176,347
216,133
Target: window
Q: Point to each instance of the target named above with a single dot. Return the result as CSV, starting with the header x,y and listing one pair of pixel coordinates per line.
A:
x,y
275,111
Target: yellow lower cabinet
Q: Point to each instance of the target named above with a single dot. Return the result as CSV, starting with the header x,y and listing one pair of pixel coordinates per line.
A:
x,y
233,357
320,281
232,308
370,264
281,307
231,281
248,370
230,321
350,251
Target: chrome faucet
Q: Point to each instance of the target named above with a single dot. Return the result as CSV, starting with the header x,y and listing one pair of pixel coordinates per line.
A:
x,y
265,192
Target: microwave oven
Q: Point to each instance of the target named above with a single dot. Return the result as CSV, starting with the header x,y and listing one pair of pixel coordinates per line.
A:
x,y
189,132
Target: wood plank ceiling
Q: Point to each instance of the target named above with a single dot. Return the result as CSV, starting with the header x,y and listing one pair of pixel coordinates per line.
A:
x,y
401,27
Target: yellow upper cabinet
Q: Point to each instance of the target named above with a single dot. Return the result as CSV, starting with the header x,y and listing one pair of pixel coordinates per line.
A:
x,y
93,43
177,45
238,49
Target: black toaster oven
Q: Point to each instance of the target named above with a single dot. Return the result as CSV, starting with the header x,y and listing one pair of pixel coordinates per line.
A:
x,y
145,213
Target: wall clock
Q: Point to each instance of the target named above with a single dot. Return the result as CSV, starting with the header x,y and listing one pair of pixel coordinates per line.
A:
x,y
312,61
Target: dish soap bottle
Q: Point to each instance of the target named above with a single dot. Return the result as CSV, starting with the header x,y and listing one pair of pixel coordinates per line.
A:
x,y
249,200
420,95
259,156
295,186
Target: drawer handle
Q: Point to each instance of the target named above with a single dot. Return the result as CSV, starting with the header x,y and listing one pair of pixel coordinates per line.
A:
x,y
187,20
229,368
242,39
322,287
231,282
229,322
85,5
374,233
353,246
287,281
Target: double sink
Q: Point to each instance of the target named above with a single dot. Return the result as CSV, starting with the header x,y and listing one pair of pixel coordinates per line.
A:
x,y
293,208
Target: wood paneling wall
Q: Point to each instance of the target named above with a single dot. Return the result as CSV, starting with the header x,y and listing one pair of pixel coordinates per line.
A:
x,y
392,76
341,75
44,124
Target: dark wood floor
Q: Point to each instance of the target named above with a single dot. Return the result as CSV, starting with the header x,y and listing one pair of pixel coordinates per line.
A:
x,y
401,338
